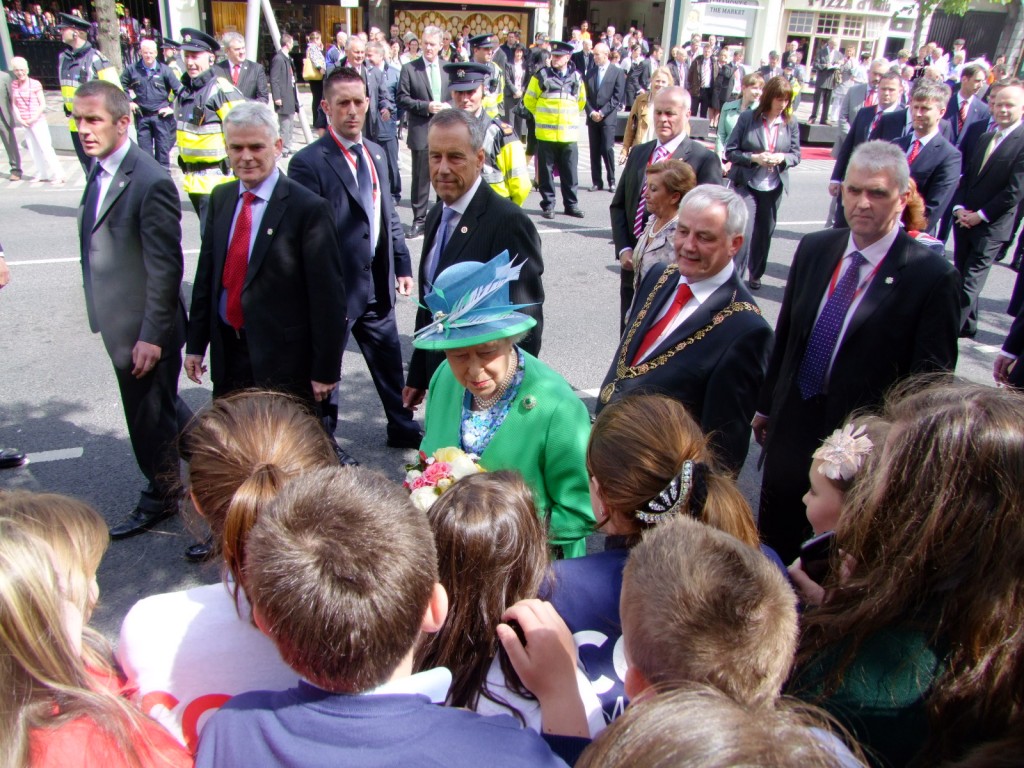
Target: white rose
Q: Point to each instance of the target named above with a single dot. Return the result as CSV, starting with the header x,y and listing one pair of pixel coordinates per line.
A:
x,y
411,475
423,498
463,466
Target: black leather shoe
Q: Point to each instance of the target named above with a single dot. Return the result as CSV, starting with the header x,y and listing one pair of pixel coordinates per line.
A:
x,y
755,285
576,213
414,231
548,213
344,458
10,458
611,185
596,188
405,440
1000,256
141,520
199,553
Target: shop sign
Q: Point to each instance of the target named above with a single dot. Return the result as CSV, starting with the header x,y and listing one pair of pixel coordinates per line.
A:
x,y
728,19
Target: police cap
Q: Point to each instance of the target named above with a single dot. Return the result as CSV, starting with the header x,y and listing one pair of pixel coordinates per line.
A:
x,y
66,21
196,40
467,76
483,41
559,48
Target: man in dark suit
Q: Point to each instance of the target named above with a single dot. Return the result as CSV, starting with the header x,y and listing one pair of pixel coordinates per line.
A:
x,y
606,85
130,230
865,119
672,125
422,93
859,95
247,76
379,107
351,174
863,309
701,79
934,162
985,203
826,62
584,60
696,334
900,122
283,92
268,297
461,227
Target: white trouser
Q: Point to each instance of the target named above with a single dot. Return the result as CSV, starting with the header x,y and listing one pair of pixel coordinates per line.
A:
x,y
37,136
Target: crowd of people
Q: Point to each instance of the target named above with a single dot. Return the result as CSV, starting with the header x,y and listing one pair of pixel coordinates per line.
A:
x,y
877,584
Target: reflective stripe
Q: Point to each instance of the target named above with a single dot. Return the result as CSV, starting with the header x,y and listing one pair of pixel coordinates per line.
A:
x,y
211,128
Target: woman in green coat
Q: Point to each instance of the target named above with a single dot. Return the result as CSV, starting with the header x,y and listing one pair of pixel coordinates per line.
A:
x,y
753,84
493,399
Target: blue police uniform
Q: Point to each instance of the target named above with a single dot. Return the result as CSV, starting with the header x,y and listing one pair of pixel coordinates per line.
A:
x,y
153,90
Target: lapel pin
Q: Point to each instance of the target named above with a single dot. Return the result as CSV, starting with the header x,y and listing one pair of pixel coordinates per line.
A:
x,y
889,281
121,184
270,232
464,230
529,402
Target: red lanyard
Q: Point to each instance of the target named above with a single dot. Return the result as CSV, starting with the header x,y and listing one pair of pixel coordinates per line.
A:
x,y
860,288
771,133
352,162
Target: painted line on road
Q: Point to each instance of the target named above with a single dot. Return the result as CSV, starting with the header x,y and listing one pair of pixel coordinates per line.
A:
x,y
798,223
40,261
59,455
589,392
572,231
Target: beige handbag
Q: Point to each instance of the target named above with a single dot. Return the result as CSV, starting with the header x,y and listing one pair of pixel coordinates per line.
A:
x,y
310,72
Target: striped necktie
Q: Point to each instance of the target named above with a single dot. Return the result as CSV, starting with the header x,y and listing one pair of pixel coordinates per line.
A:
x,y
641,209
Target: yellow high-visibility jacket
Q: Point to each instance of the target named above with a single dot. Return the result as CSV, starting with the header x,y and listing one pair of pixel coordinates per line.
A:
x,y
199,110
556,99
505,160
493,101
78,67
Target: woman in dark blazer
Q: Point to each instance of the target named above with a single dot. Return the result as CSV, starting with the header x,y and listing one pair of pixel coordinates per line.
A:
x,y
763,146
517,77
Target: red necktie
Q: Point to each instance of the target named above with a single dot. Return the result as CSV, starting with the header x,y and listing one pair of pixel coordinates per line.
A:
x,y
237,262
871,98
876,121
683,295
915,150
963,116
234,74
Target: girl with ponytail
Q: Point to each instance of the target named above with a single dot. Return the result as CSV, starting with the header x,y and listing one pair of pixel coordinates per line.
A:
x,y
190,651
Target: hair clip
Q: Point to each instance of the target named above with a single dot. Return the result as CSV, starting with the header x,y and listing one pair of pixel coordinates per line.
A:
x,y
670,500
843,452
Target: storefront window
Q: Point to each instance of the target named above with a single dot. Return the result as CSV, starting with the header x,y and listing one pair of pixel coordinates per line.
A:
x,y
853,26
801,22
828,24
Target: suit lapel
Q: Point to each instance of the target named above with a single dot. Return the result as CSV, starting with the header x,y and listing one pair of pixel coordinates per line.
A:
x,y
1007,149
701,316
429,233
883,287
118,185
665,294
222,229
276,208
337,163
817,285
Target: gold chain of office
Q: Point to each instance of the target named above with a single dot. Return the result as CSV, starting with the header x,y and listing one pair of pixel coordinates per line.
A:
x,y
622,371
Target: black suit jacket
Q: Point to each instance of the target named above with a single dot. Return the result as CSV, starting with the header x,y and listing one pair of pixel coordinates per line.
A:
x,y
1014,344
936,170
293,298
857,135
638,80
414,97
583,62
704,162
252,79
718,376
608,98
893,124
997,188
282,84
476,238
977,111
369,275
748,138
379,97
969,142
133,277
906,323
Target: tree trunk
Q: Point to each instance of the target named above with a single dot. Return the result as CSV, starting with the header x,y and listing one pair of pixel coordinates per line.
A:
x,y
109,37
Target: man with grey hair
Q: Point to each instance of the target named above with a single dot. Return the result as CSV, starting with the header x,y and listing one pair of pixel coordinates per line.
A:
x,y
694,332
864,308
422,93
268,298
247,76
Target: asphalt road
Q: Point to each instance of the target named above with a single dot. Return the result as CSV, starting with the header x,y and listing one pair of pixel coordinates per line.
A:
x,y
58,396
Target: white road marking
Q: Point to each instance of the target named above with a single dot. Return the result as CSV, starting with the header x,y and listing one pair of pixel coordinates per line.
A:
x,y
40,261
59,455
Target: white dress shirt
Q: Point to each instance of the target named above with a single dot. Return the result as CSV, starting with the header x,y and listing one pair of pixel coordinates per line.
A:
x,y
459,206
109,166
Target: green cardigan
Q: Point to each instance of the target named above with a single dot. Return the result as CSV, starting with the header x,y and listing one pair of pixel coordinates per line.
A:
x,y
544,437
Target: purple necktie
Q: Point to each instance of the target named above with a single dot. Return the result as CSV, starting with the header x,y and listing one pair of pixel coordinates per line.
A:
x,y
825,335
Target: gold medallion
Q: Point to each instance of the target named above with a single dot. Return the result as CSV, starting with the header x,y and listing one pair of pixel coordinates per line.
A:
x,y
606,392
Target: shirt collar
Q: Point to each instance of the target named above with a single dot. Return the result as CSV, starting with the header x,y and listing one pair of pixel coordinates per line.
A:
x,y
673,144
1002,133
925,139
460,205
432,683
348,143
112,162
703,289
265,188
875,252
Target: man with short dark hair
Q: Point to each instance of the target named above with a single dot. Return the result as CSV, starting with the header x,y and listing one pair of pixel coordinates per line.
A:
x,y
350,172
130,237
606,85
864,308
283,91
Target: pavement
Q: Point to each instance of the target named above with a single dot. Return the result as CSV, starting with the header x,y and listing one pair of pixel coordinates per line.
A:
x,y
58,396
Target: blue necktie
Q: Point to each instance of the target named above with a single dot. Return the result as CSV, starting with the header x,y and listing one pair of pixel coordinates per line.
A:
x,y
363,179
825,335
440,242
89,206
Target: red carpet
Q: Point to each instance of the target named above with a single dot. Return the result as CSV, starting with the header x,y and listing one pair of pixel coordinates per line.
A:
x,y
815,153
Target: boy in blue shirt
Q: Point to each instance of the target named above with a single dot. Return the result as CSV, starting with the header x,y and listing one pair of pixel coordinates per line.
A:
x,y
342,575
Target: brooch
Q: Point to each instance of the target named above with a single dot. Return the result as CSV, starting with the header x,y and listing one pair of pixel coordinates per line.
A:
x,y
464,230
889,281
529,402
270,232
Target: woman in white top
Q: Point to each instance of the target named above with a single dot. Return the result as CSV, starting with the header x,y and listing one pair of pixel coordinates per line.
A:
x,y
491,553
29,105
188,652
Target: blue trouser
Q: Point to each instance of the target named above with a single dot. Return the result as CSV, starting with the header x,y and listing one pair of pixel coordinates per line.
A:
x,y
156,136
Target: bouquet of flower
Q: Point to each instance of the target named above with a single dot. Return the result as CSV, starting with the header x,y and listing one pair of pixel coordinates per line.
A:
x,y
433,475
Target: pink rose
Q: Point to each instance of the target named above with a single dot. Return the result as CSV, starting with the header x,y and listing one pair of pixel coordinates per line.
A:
x,y
437,471
421,482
